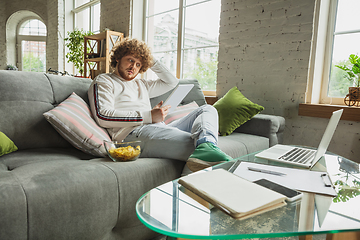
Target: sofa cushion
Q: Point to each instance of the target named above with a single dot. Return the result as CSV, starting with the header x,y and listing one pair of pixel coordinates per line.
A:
x,y
37,155
240,144
180,112
25,96
67,199
6,145
235,109
73,120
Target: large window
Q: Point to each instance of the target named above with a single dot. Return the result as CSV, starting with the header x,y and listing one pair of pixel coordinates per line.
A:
x,y
87,15
32,46
346,39
337,36
184,35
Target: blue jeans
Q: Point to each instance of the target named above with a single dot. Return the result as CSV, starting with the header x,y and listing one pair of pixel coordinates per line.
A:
x,y
178,139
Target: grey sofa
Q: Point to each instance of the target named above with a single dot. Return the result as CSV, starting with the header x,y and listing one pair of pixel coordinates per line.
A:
x,y
51,190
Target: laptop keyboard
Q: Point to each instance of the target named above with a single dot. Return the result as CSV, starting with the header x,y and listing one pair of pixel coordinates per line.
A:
x,y
299,155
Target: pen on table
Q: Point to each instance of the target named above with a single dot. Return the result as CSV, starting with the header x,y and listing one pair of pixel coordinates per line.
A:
x,y
266,171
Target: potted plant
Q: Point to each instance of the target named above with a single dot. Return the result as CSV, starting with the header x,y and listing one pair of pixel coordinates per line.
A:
x,y
11,67
75,43
353,75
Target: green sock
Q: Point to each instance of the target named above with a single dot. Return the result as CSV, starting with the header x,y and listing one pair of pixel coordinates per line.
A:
x,y
210,153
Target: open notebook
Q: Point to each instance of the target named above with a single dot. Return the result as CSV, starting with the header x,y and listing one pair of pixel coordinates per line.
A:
x,y
302,156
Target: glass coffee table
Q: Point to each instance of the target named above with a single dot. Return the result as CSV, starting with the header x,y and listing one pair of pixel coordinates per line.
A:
x,y
172,210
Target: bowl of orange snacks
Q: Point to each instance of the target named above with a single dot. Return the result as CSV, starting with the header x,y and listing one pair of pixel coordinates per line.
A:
x,y
123,151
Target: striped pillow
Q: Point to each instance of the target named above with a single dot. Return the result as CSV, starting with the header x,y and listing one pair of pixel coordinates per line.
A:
x,y
180,112
73,120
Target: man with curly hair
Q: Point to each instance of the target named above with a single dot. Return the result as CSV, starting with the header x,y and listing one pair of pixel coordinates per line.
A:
x,y
120,102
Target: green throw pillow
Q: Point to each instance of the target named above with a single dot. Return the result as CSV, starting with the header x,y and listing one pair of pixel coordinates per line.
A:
x,y
6,145
235,109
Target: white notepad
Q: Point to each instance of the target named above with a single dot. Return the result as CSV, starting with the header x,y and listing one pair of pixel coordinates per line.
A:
x,y
234,195
177,95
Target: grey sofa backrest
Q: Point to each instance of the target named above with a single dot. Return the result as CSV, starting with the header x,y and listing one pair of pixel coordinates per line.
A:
x,y
194,95
25,96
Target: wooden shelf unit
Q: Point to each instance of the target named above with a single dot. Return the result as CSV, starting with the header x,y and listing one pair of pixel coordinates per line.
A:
x,y
97,59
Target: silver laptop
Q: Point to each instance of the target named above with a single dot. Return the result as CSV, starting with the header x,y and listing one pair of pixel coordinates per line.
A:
x,y
302,156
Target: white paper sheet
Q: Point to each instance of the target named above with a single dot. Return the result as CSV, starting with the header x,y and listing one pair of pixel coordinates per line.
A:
x,y
299,179
178,94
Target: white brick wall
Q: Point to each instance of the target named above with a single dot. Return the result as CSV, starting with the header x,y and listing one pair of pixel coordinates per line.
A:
x,y
115,15
264,51
56,34
3,58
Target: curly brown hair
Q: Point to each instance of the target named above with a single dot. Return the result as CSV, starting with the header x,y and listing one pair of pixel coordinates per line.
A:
x,y
137,48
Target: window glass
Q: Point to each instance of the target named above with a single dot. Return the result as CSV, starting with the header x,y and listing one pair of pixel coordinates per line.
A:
x,y
163,33
201,43
33,56
198,48
202,30
347,11
82,20
160,6
162,38
96,18
33,27
344,45
201,64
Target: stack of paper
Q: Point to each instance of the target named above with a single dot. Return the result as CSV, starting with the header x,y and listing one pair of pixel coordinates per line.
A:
x,y
236,196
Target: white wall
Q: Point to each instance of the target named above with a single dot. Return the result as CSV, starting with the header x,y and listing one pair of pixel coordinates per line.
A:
x,y
264,51
115,15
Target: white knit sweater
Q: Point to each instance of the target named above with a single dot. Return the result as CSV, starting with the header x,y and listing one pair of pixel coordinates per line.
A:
x,y
120,105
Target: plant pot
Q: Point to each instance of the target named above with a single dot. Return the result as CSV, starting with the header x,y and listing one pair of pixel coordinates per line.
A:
x,y
353,98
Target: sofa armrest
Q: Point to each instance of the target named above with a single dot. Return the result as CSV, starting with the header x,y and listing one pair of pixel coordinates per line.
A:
x,y
269,126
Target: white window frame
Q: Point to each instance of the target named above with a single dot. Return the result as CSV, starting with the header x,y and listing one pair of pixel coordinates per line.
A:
x,y
70,23
321,54
181,32
83,7
21,38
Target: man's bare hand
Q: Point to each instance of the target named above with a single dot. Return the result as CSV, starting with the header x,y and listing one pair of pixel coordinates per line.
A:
x,y
159,113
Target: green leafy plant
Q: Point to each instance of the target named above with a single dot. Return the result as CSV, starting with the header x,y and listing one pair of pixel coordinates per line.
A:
x,y
346,192
75,44
352,69
11,67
